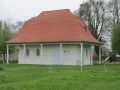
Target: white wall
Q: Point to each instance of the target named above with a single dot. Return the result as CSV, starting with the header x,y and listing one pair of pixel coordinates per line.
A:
x,y
86,55
71,55
21,55
51,54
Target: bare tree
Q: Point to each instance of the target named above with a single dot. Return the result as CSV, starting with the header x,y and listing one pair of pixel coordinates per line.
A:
x,y
114,9
93,12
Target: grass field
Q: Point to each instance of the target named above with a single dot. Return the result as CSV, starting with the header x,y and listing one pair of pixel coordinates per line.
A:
x,y
38,77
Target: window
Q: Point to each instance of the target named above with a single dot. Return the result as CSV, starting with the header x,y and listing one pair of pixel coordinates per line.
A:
x,y
85,28
66,51
37,52
17,50
27,52
86,46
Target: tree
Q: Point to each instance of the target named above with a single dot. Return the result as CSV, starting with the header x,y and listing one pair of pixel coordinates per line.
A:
x,y
93,13
114,9
15,27
116,38
8,30
5,34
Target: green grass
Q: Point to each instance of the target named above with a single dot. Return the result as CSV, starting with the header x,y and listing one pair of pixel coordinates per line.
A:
x,y
39,77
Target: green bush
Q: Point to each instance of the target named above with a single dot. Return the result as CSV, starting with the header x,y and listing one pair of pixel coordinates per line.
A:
x,y
116,38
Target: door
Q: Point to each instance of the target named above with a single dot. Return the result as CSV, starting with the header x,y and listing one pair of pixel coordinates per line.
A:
x,y
56,55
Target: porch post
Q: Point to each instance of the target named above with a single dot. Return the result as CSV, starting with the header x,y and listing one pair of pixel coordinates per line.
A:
x,y
41,53
91,54
81,56
100,55
24,51
61,53
7,54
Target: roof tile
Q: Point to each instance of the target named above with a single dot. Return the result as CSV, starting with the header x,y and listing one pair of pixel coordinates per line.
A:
x,y
54,26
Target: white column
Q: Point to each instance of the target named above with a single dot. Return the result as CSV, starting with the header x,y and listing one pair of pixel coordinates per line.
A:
x,y
60,53
24,51
41,53
91,54
7,54
81,56
100,55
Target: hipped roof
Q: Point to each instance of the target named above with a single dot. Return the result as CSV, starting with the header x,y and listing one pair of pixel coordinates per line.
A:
x,y
52,27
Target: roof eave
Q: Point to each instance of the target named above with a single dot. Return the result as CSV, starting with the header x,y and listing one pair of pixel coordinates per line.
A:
x,y
94,43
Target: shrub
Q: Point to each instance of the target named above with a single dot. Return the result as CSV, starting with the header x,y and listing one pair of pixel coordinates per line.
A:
x,y
116,38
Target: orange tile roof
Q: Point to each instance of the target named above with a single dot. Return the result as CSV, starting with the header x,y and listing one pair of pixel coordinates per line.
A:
x,y
54,26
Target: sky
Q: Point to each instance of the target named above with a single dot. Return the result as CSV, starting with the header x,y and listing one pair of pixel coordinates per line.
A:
x,y
21,10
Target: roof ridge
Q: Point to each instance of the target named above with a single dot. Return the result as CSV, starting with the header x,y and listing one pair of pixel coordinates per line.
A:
x,y
56,10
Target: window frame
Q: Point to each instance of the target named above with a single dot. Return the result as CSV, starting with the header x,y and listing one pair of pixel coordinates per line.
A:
x,y
38,52
27,52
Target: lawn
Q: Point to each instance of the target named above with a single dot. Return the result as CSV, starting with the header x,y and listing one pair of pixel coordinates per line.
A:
x,y
40,77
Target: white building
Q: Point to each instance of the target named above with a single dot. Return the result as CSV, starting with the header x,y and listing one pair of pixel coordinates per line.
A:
x,y
55,37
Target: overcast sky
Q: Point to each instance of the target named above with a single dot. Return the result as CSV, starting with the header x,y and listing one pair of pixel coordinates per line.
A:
x,y
15,10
